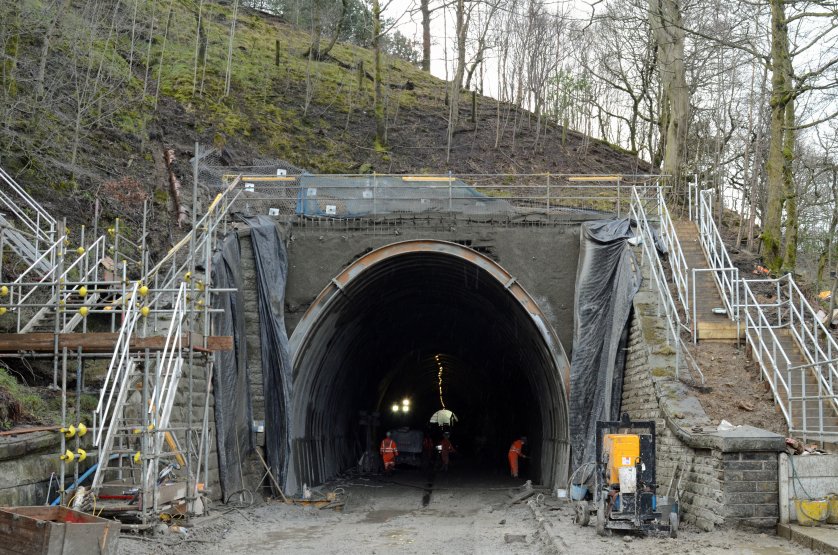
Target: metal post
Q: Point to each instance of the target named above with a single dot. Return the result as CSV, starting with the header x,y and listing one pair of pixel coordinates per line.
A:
x,y
618,197
695,313
548,197
450,210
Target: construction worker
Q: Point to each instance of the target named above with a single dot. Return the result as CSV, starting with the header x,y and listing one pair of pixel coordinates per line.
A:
x,y
446,448
389,452
427,451
516,450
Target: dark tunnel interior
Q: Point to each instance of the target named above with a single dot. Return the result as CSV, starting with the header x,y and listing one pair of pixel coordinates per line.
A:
x,y
397,329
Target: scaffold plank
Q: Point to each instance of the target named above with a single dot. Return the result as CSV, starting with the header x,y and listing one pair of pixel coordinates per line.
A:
x,y
97,342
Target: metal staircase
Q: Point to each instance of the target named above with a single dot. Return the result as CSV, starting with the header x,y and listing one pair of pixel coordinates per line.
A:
x,y
132,437
25,227
797,355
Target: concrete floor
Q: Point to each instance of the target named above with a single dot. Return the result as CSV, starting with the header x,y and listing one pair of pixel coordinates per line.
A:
x,y
463,512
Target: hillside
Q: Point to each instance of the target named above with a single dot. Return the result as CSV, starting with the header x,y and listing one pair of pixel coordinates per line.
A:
x,y
118,88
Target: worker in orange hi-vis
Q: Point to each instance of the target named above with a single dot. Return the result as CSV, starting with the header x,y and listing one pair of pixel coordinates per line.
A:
x,y
389,452
516,450
446,448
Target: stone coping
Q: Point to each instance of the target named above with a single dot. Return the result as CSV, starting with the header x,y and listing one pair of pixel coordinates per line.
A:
x,y
682,410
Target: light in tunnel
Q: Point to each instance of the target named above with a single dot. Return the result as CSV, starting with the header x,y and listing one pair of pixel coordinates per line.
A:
x,y
405,408
395,407
406,402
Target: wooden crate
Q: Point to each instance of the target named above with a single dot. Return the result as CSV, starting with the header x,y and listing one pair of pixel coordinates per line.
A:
x,y
55,531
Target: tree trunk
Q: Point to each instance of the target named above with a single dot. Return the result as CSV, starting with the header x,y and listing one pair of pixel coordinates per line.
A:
x,y
338,30
378,101
780,149
457,82
825,259
668,30
426,35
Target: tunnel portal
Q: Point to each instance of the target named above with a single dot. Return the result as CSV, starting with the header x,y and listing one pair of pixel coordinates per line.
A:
x,y
395,322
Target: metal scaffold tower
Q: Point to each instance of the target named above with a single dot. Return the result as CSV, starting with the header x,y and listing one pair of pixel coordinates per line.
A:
x,y
76,298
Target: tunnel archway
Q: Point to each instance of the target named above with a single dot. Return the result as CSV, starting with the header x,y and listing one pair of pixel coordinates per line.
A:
x,y
398,319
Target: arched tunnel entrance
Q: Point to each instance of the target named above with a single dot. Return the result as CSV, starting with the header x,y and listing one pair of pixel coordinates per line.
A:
x,y
395,323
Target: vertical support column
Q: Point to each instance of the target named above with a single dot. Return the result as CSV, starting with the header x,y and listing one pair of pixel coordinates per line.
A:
x,y
548,197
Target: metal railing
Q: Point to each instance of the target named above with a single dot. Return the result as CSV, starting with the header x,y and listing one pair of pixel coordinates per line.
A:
x,y
677,261
516,198
725,274
665,301
38,223
789,310
768,351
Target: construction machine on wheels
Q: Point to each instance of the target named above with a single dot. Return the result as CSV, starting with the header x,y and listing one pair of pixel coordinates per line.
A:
x,y
624,495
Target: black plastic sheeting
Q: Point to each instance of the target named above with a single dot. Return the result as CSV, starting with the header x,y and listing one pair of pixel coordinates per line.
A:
x,y
607,278
271,260
233,412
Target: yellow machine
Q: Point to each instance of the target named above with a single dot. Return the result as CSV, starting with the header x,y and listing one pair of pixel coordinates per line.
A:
x,y
619,450
625,487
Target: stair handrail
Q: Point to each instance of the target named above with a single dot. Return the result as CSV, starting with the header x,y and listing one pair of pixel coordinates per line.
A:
x,y
717,255
666,301
817,344
677,260
117,370
772,351
42,232
168,366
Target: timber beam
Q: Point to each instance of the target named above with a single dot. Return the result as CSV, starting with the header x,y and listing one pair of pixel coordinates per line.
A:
x,y
105,342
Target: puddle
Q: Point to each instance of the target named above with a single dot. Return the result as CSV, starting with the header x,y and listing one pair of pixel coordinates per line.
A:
x,y
398,537
385,515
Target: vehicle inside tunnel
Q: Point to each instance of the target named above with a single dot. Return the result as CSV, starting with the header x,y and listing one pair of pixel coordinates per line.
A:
x,y
414,327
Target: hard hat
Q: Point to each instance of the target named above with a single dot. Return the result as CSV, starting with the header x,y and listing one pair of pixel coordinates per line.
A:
x,y
388,434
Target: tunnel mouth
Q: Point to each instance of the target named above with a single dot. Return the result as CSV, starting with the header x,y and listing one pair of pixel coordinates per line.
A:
x,y
435,324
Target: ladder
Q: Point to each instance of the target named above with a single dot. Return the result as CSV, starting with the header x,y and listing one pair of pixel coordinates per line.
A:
x,y
132,437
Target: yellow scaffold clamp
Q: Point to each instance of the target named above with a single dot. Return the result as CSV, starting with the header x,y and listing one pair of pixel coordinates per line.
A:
x,y
137,457
68,456
69,431
81,429
82,454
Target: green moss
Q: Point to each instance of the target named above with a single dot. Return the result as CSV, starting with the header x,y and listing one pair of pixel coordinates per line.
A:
x,y
666,350
161,196
660,372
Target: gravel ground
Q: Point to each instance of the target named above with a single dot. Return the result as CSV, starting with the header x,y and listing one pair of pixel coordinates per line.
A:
x,y
463,514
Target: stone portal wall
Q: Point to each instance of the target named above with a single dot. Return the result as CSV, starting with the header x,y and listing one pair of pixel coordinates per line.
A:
x,y
722,478
26,463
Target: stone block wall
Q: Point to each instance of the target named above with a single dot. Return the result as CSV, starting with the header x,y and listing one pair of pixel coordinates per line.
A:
x,y
721,478
26,463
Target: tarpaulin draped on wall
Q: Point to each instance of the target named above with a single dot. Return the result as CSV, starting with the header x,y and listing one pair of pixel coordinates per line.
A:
x,y
607,278
233,413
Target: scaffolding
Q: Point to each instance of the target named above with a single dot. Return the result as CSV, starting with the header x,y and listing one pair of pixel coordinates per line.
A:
x,y
77,298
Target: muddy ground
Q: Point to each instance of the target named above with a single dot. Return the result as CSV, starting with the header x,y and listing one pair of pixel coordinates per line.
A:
x,y
460,512
733,388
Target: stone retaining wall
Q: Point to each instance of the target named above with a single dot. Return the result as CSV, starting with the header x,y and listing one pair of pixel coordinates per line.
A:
x,y
722,478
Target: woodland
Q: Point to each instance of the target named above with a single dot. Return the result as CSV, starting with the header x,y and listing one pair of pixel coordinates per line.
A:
x,y
741,96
